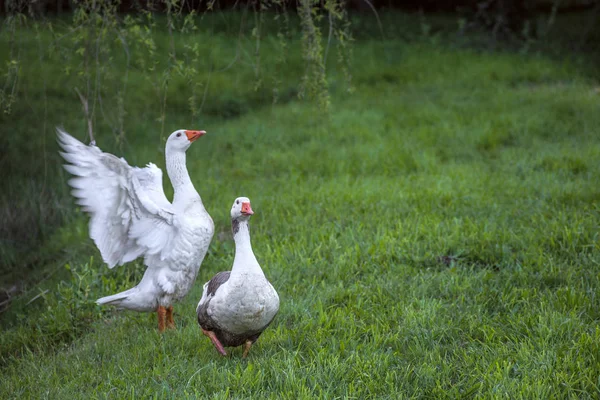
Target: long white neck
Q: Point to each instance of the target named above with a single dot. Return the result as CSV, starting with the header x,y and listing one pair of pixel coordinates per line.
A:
x,y
244,261
180,179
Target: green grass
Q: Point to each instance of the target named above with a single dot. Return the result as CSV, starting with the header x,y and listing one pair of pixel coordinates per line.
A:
x,y
436,235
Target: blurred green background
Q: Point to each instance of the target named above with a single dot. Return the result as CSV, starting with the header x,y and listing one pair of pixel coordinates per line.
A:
x,y
425,187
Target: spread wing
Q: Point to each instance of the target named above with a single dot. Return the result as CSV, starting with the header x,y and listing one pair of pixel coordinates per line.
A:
x,y
130,215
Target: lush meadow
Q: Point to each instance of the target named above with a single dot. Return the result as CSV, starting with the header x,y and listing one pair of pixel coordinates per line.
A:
x,y
434,234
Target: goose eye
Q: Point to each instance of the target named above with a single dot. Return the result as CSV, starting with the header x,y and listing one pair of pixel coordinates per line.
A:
x,y
237,202
179,134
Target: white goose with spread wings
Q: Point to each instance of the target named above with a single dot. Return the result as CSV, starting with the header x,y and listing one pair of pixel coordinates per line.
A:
x,y
238,305
130,217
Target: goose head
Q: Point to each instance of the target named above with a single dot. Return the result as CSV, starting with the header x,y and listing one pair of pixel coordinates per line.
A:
x,y
182,139
241,209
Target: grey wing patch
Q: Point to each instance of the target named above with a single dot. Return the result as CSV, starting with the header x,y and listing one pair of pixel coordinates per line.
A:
x,y
205,320
217,281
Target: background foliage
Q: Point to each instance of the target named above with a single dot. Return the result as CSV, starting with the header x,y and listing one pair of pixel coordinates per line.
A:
x,y
426,197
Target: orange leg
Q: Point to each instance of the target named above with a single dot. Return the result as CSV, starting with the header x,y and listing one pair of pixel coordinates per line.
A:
x,y
247,348
162,314
213,338
170,322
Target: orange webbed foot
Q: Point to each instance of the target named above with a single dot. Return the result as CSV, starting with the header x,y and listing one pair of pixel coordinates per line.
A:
x,y
213,338
170,321
247,348
161,312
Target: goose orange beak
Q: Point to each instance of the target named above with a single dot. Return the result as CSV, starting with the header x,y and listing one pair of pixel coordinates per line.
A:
x,y
246,209
194,135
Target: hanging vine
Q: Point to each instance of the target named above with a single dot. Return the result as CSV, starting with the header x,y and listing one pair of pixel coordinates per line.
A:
x,y
314,81
283,37
16,19
98,33
95,27
339,28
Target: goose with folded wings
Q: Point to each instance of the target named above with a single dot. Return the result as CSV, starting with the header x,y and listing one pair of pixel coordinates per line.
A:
x,y
238,305
130,217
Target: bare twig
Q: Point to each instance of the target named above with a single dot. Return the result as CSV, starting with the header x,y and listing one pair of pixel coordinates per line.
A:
x,y
10,293
205,89
97,84
37,297
121,111
592,22
84,104
328,38
239,42
376,16
5,302
172,54
105,116
258,26
552,16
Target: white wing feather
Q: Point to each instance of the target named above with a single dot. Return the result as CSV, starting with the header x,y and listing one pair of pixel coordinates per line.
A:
x,y
130,214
